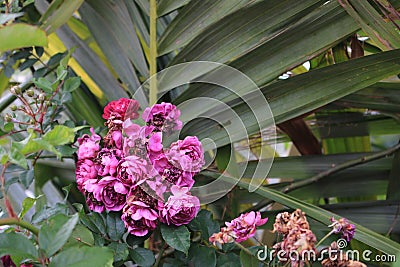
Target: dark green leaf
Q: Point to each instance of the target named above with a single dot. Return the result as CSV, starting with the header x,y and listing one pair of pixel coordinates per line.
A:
x,y
204,223
115,226
71,84
202,256
228,260
26,178
250,260
142,256
47,212
83,257
393,191
9,126
39,51
55,233
166,6
120,251
176,237
81,236
17,245
94,222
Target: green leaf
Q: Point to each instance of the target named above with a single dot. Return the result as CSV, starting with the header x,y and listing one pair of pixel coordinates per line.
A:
x,y
394,181
228,260
167,6
47,212
55,233
44,84
176,237
115,226
120,251
17,245
26,178
81,236
83,257
248,260
202,256
20,35
71,84
188,24
142,256
60,135
204,223
27,204
15,156
59,14
94,222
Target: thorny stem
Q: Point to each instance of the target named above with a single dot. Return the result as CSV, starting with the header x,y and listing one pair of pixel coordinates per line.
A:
x,y
7,203
324,238
160,254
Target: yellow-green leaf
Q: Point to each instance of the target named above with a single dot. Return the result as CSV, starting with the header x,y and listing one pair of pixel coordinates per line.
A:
x,y
21,35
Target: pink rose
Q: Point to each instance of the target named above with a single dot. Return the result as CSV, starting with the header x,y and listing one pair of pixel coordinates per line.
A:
x,y
85,169
109,159
187,154
92,195
88,145
132,170
139,218
180,208
172,174
164,117
245,225
112,193
136,142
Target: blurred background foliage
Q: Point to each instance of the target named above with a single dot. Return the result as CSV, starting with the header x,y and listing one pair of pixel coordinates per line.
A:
x,y
329,70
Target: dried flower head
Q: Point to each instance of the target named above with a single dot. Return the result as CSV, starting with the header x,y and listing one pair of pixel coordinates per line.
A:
x,y
343,226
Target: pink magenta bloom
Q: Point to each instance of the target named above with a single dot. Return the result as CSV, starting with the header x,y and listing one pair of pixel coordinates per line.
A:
x,y
344,227
93,196
133,170
109,159
180,208
121,109
172,174
239,229
187,154
85,169
88,145
139,218
245,225
136,142
164,117
112,193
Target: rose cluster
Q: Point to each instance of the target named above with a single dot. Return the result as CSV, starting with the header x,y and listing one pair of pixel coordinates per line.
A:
x,y
129,170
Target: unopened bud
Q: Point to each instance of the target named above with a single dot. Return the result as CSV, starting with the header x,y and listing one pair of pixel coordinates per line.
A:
x,y
14,107
15,90
48,103
30,93
31,121
8,117
42,97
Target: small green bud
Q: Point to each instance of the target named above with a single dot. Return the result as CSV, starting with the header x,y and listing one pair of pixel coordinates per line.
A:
x,y
14,107
48,103
8,117
15,90
42,97
30,92
31,121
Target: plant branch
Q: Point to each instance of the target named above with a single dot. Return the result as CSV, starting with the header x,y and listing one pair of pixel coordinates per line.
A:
x,y
340,167
153,52
23,224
